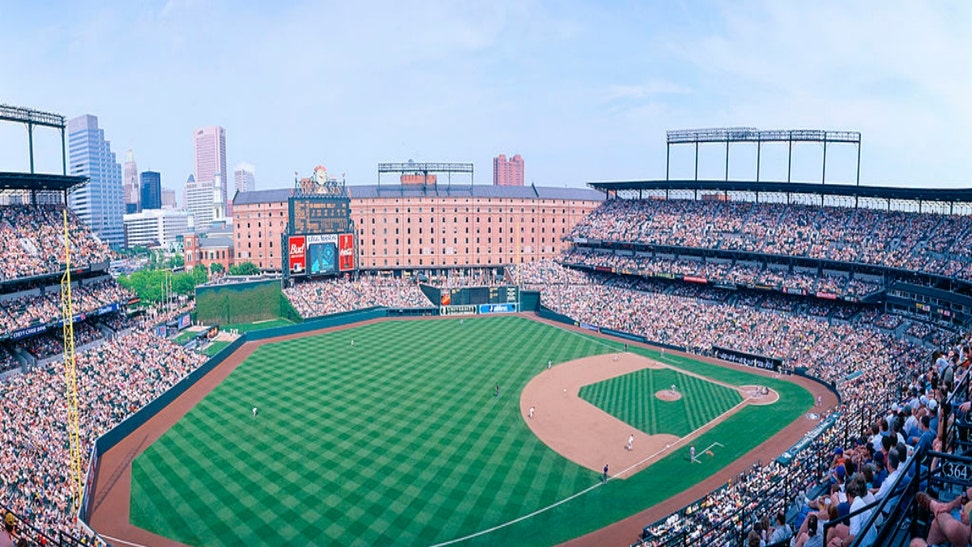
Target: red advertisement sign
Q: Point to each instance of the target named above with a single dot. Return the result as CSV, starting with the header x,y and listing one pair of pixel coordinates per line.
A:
x,y
345,252
298,255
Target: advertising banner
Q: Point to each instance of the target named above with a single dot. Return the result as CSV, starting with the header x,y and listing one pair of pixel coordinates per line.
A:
x,y
497,308
184,321
346,252
748,359
298,260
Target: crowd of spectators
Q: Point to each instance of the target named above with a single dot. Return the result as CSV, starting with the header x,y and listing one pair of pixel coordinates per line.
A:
x,y
726,272
17,313
483,277
322,297
51,343
7,360
861,356
114,380
923,242
32,241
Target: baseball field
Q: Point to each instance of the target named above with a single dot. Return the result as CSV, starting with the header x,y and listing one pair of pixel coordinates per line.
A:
x,y
400,438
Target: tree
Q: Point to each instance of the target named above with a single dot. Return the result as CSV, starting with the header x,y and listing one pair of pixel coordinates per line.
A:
x,y
199,274
177,261
244,268
216,268
184,283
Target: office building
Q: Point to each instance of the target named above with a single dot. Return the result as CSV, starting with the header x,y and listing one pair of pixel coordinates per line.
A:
x,y
168,198
244,180
153,227
130,184
151,190
199,202
101,203
508,172
209,153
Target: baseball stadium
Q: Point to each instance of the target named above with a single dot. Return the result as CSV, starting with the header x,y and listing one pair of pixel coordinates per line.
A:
x,y
704,363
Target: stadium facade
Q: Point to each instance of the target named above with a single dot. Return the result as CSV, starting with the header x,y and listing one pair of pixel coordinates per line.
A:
x,y
427,227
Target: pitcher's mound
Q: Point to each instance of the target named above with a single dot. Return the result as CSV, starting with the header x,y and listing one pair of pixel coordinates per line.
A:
x,y
668,395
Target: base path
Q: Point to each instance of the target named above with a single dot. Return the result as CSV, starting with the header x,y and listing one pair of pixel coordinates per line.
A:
x,y
588,436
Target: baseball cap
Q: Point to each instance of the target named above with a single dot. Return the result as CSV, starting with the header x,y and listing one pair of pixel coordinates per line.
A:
x,y
10,519
840,472
838,451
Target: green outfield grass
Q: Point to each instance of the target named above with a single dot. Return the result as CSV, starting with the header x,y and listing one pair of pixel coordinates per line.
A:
x,y
631,398
399,440
215,347
185,336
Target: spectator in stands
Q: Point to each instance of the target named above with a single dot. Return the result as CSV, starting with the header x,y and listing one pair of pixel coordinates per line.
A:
x,y
781,531
946,525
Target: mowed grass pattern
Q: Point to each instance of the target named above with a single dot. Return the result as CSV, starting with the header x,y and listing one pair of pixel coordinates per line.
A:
x,y
631,398
398,440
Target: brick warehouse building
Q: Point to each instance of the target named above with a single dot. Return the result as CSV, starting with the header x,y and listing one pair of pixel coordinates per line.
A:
x,y
422,227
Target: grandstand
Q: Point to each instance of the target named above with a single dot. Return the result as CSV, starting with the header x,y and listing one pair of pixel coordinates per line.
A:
x,y
865,282
119,369
867,289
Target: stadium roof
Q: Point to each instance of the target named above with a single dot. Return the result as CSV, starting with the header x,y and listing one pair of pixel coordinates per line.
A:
x,y
419,191
277,195
475,190
882,192
36,181
215,242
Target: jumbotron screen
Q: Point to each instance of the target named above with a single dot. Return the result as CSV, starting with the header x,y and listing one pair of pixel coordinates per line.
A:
x,y
321,254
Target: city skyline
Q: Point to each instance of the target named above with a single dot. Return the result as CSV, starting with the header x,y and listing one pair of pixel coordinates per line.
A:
x,y
362,91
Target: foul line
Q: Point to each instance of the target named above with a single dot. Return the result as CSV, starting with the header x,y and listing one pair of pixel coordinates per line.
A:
x,y
582,492
597,339
122,541
524,517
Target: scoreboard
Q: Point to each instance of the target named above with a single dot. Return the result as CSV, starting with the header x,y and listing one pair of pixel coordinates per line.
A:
x,y
320,215
480,295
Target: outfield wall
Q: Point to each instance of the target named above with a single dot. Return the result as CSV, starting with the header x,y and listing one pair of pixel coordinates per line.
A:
x,y
242,303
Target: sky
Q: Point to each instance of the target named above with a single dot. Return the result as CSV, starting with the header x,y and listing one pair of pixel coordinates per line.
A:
x,y
584,91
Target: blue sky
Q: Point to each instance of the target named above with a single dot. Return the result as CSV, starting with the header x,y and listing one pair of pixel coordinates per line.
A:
x,y
582,90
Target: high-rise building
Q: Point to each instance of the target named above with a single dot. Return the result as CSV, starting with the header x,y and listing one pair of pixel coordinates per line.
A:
x,y
130,184
219,205
210,159
199,202
101,203
244,179
151,191
155,226
508,172
168,198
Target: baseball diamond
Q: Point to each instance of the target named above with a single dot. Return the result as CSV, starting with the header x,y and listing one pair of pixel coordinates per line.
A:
x,y
400,439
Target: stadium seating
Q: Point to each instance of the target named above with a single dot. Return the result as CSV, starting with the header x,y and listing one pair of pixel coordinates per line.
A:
x,y
879,352
922,242
322,297
32,242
